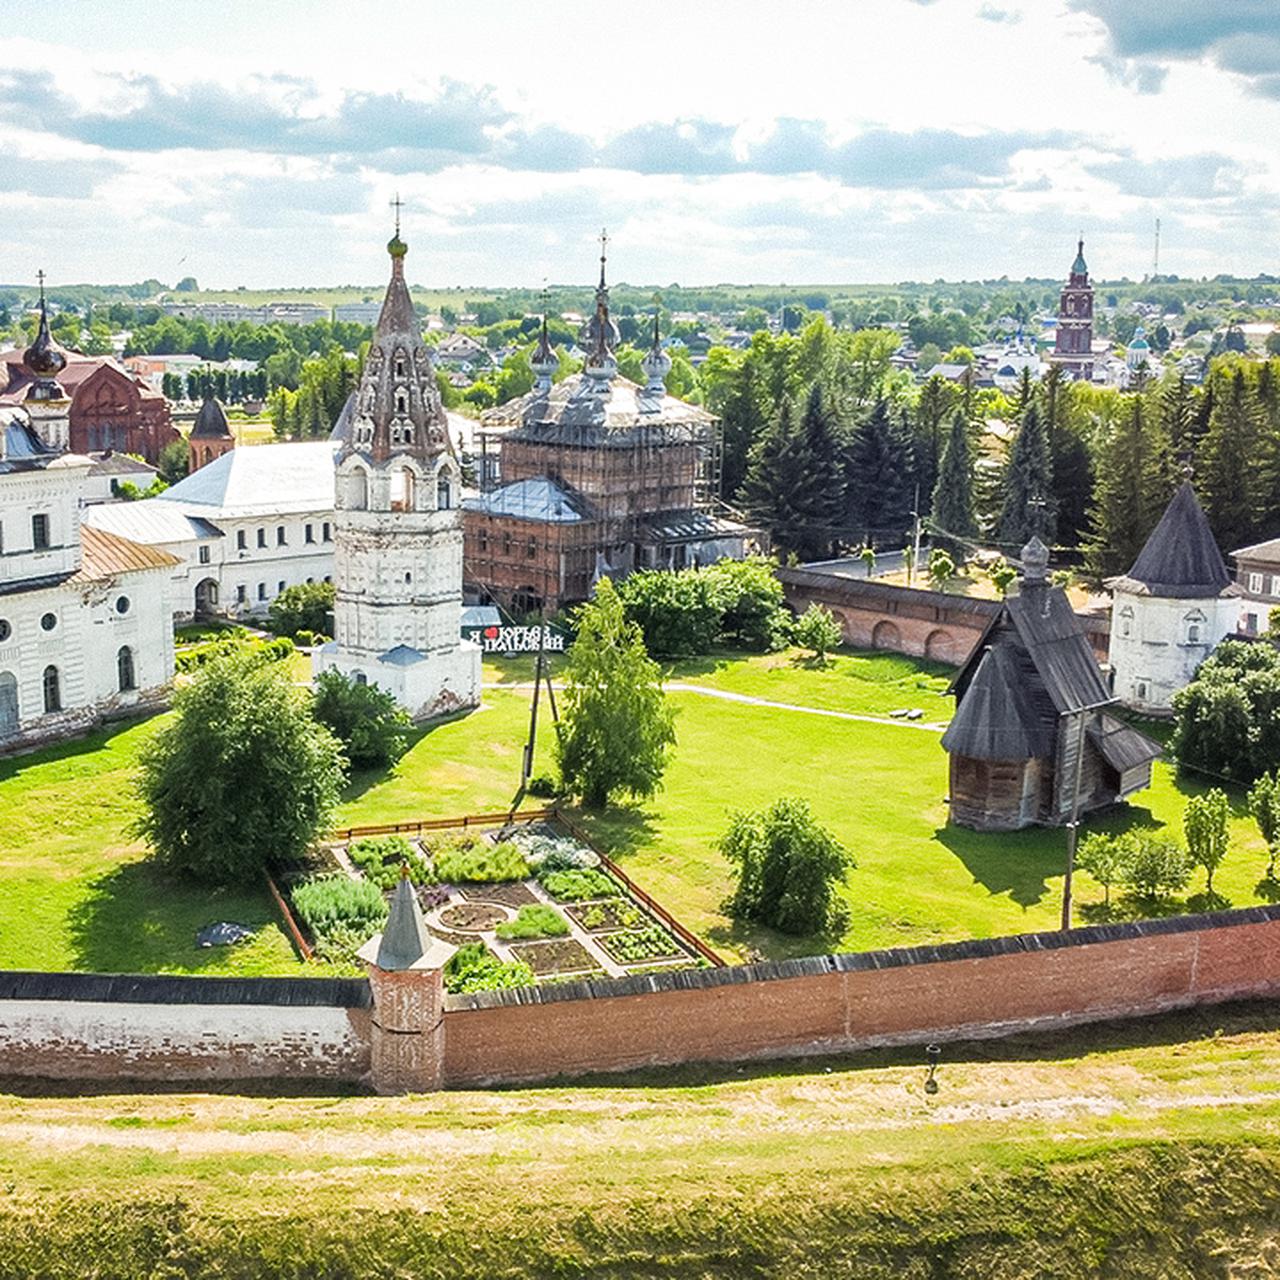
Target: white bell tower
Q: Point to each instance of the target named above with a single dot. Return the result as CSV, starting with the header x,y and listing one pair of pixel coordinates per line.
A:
x,y
398,525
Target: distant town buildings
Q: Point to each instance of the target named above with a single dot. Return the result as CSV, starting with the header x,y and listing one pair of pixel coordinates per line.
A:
x,y
238,312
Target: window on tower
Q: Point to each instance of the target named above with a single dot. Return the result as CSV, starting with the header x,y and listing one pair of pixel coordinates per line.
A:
x,y
402,490
444,494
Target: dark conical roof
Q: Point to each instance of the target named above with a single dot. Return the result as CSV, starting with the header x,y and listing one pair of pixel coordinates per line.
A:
x,y
44,357
211,422
1180,558
998,718
404,939
1079,267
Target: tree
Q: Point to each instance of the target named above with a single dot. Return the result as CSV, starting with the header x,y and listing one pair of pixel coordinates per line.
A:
x,y
953,495
617,728
241,777
942,568
367,720
788,868
937,400
817,630
678,612
774,488
1027,510
1154,869
306,606
1226,480
878,471
1264,804
187,285
1105,858
1204,823
751,603
174,461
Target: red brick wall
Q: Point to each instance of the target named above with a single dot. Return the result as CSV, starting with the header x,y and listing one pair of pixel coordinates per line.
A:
x,y
1034,985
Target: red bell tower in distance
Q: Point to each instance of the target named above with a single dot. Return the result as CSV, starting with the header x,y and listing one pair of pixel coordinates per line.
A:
x,y
1074,347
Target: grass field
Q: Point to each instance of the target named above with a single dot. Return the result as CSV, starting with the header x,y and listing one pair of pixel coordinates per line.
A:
x,y
76,893
1143,1151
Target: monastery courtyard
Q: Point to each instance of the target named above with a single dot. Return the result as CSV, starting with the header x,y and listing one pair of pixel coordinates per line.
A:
x,y
749,730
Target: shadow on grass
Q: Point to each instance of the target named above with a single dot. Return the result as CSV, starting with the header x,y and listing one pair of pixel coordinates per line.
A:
x,y
135,919
618,829
1017,863
1268,889
363,780
88,746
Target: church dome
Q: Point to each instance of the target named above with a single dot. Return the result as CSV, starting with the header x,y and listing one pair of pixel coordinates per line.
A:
x,y
1079,267
44,357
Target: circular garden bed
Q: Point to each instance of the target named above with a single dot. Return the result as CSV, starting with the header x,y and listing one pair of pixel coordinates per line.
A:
x,y
473,917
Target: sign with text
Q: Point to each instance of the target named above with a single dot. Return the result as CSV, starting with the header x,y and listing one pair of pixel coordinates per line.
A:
x,y
495,639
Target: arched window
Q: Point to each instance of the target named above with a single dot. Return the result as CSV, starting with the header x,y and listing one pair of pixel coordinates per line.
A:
x,y
402,489
1193,627
125,679
52,690
360,678
402,403
1126,621
8,703
444,494
358,490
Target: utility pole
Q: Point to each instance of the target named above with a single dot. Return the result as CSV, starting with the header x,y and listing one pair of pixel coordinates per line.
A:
x,y
915,537
1073,827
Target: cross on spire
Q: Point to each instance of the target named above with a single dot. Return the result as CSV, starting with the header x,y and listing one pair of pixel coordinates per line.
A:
x,y
604,245
397,204
40,277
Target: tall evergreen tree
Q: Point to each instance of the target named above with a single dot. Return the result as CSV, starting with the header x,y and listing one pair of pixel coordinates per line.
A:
x,y
1133,488
775,487
1178,415
952,503
937,399
878,473
824,502
743,422
1228,463
1028,507
1069,457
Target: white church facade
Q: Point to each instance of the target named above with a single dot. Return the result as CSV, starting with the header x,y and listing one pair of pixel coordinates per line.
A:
x,y
397,491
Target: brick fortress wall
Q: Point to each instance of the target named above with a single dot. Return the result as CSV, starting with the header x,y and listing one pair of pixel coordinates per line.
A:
x,y
97,1027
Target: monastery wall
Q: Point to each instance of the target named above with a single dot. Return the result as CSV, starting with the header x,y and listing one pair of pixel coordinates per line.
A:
x,y
393,1036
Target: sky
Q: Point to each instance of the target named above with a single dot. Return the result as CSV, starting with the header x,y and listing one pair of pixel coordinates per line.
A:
x,y
259,142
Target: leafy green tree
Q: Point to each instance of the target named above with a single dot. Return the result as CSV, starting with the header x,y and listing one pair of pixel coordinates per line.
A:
x,y
817,630
241,777
1002,574
1264,804
1027,510
306,606
937,399
752,615
678,612
1105,858
953,495
174,461
1154,869
879,476
787,866
942,568
616,730
1204,823
372,727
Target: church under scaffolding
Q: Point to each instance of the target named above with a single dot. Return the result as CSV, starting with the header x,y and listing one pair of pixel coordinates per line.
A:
x,y
593,476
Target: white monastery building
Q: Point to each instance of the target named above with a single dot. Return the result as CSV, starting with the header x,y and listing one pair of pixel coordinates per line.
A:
x,y
398,525
85,622
1172,609
242,528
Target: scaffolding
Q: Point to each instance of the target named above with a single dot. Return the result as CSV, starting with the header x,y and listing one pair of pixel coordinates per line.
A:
x,y
574,485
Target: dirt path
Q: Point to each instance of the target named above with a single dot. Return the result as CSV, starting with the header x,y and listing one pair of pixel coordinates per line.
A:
x,y
750,700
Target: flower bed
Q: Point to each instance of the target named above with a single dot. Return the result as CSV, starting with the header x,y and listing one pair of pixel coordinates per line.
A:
x,y
607,916
638,946
482,863
340,913
563,955
580,885
379,859
472,916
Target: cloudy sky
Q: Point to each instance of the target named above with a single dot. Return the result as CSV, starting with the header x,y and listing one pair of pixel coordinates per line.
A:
x,y
258,142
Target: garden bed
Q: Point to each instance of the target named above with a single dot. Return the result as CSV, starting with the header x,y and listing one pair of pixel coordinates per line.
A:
x,y
641,946
606,916
472,916
515,893
560,955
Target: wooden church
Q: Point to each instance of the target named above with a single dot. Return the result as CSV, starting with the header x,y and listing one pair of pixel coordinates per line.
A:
x,y
1031,737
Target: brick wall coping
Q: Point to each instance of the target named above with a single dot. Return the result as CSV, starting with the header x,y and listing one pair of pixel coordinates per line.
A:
x,y
894,958
871,588
131,988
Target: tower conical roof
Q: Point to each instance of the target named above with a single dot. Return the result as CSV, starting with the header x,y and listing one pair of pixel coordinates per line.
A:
x,y
397,408
1079,267
44,357
405,939
1181,558
211,422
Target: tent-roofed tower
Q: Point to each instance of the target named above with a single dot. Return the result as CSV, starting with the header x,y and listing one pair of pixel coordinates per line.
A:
x,y
210,436
397,524
1172,608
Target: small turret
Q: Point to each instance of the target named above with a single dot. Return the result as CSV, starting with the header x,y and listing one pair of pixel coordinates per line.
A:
x,y
544,362
44,357
656,365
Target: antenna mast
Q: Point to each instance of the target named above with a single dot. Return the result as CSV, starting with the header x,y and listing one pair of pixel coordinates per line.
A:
x,y
1155,265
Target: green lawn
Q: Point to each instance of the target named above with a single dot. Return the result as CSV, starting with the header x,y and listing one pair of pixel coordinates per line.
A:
x,y
75,893
1145,1150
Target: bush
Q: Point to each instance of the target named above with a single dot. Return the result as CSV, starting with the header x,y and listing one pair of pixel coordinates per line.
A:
x,y
341,913
817,630
483,863
554,853
542,785
579,885
475,968
1105,858
534,922
192,659
367,720
307,606
788,868
678,612
752,615
380,858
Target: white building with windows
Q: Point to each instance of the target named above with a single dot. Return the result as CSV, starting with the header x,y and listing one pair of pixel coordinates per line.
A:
x,y
85,625
243,528
1172,609
396,489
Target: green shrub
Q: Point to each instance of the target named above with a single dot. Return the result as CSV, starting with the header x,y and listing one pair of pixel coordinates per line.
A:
x,y
534,922
615,910
578,885
475,968
308,606
1155,869
485,863
188,660
367,720
542,785
336,908
381,857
